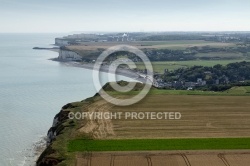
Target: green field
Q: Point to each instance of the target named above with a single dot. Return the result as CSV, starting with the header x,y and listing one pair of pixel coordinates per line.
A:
x,y
176,42
239,90
81,145
173,65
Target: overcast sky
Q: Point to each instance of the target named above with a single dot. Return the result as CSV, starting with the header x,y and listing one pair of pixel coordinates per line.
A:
x,y
126,15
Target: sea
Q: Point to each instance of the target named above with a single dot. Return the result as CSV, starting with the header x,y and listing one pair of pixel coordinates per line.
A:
x,y
33,89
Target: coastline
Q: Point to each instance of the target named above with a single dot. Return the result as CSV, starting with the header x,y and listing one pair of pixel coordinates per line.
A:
x,y
32,153
105,68
55,49
38,147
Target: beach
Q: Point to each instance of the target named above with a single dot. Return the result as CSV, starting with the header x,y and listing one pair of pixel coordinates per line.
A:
x,y
105,68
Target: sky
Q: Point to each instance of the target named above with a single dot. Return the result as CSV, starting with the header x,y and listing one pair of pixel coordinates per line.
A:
x,y
65,16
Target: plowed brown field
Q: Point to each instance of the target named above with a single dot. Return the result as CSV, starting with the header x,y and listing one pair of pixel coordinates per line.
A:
x,y
160,158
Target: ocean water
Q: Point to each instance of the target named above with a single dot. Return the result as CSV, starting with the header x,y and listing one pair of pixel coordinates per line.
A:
x,y
32,90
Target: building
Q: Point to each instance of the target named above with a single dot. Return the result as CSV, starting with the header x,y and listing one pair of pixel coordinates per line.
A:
x,y
190,84
61,42
217,82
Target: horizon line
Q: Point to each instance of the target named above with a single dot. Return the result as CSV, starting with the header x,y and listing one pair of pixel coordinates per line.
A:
x,y
190,31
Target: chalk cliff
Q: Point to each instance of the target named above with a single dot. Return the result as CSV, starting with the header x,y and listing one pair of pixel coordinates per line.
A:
x,y
64,129
68,55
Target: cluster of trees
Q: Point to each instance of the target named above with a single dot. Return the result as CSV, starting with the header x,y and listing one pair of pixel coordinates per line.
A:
x,y
233,73
222,87
167,37
184,55
190,53
156,55
207,49
169,55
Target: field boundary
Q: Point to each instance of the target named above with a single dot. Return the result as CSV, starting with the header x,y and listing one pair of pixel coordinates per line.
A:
x,y
81,145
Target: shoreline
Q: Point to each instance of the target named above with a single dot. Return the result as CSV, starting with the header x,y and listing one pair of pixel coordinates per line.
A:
x,y
32,153
90,66
39,146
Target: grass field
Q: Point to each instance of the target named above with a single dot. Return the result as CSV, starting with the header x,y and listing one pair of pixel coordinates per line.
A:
x,y
239,90
174,44
81,145
173,65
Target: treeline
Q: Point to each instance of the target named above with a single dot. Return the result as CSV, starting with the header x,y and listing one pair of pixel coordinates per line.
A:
x,y
218,74
184,55
169,55
222,87
166,37
190,53
208,49
155,55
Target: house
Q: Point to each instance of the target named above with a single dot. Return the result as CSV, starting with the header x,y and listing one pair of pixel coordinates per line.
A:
x,y
177,84
167,84
208,72
199,80
190,84
165,71
217,82
61,42
203,83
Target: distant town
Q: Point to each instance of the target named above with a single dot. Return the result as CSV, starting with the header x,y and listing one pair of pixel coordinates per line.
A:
x,y
161,36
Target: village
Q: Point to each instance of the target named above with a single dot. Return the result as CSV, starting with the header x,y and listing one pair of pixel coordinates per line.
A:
x,y
159,82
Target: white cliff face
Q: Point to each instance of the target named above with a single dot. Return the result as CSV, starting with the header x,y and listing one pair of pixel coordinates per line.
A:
x,y
51,135
55,122
66,55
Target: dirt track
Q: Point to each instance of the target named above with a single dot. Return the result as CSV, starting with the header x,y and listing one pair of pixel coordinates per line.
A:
x,y
98,128
161,158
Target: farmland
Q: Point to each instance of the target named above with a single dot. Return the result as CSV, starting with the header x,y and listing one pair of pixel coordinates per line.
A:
x,y
214,128
163,50
209,132
202,117
175,44
159,158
